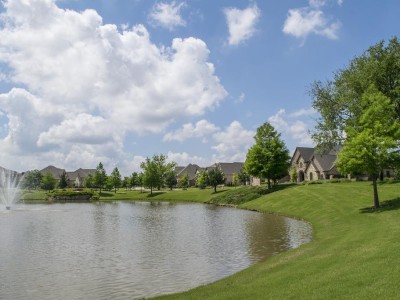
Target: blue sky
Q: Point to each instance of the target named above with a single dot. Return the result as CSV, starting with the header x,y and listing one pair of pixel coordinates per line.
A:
x,y
119,80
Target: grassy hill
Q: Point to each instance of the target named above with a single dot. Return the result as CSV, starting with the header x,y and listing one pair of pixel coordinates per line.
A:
x,y
354,255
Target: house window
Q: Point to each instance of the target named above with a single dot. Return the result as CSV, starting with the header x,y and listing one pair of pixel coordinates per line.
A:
x,y
301,164
311,176
388,173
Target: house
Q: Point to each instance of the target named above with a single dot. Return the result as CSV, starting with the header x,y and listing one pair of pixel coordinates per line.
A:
x,y
310,165
191,170
74,179
229,169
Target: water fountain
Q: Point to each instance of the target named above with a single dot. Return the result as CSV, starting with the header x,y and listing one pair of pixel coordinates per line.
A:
x,y
9,187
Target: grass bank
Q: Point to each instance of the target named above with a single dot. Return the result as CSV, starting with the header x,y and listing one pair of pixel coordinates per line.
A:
x,y
354,254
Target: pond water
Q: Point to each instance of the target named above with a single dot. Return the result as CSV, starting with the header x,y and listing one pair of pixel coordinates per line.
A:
x,y
132,250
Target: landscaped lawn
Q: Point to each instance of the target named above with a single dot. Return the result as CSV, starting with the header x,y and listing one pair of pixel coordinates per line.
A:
x,y
355,253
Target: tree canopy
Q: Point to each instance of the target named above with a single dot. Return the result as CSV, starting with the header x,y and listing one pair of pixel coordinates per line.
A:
x,y
155,170
215,177
339,101
115,179
360,110
268,158
100,176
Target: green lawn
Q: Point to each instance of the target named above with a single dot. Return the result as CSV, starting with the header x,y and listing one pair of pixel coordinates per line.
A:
x,y
355,253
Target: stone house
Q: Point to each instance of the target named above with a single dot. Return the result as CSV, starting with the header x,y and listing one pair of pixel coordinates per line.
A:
x,y
191,170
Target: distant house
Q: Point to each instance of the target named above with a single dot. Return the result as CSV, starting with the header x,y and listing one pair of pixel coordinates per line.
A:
x,y
191,170
74,179
229,169
312,166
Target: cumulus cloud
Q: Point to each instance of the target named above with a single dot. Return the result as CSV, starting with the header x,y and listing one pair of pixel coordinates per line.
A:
x,y
167,15
293,129
241,23
85,84
301,22
232,143
201,129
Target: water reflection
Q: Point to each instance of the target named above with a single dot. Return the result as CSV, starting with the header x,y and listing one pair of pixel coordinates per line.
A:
x,y
132,250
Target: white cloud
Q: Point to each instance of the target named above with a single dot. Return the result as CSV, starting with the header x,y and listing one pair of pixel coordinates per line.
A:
x,y
202,128
304,21
241,23
301,22
167,15
297,130
87,84
241,98
232,143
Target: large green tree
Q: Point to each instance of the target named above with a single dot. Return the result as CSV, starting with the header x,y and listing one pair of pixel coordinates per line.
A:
x,y
268,158
374,144
32,179
170,179
155,170
339,101
115,179
100,177
49,182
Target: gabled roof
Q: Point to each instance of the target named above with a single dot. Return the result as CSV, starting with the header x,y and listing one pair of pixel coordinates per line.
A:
x,y
306,153
85,172
229,168
56,172
191,170
324,162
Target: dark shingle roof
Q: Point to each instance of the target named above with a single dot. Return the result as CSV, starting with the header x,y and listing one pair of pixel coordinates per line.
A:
x,y
306,152
231,168
56,172
191,170
325,161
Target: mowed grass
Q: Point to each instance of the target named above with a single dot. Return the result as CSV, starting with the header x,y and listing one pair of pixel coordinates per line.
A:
x,y
355,252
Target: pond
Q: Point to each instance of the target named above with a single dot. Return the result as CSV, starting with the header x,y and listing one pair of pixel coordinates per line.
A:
x,y
132,250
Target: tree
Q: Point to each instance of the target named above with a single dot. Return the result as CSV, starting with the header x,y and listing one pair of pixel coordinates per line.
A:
x,y
115,179
49,182
374,144
100,177
235,179
184,181
170,179
63,181
89,181
293,174
126,182
140,181
215,177
244,177
134,179
202,179
32,179
155,170
339,101
268,157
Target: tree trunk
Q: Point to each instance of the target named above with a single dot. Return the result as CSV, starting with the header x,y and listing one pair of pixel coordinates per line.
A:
x,y
215,188
151,190
269,184
376,197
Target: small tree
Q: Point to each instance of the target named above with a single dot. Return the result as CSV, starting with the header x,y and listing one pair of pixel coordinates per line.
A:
x,y
184,181
268,157
293,174
215,177
134,179
89,181
63,181
49,182
140,181
125,183
170,179
115,179
100,177
202,179
235,179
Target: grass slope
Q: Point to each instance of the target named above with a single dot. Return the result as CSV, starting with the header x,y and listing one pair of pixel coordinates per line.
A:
x,y
354,254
